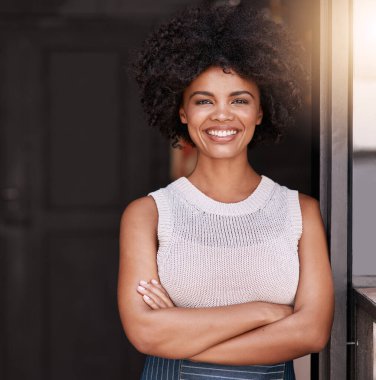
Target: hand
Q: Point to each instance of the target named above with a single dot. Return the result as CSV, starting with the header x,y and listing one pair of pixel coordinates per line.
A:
x,y
154,295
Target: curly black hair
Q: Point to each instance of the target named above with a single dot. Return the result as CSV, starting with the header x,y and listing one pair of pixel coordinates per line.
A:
x,y
236,38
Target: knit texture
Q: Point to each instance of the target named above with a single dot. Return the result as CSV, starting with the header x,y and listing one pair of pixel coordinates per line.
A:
x,y
212,253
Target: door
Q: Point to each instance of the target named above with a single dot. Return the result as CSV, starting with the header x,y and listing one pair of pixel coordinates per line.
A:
x,y
75,149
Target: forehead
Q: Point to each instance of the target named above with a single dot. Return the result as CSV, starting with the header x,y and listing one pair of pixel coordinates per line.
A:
x,y
214,79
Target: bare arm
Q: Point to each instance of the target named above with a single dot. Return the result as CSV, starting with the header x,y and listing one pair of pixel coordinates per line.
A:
x,y
172,332
308,329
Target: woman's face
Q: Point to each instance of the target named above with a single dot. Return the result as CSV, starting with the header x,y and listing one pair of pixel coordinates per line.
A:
x,y
222,111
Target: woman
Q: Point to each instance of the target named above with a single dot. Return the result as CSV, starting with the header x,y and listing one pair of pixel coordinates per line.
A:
x,y
224,273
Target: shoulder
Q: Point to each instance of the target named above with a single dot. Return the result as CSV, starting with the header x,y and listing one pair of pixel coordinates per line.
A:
x,y
140,212
308,202
310,210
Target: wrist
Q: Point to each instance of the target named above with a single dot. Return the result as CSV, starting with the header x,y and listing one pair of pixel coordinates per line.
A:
x,y
269,312
263,313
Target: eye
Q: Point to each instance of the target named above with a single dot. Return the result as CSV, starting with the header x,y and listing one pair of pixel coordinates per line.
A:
x,y
240,101
203,101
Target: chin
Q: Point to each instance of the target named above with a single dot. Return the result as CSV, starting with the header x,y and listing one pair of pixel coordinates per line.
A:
x,y
214,153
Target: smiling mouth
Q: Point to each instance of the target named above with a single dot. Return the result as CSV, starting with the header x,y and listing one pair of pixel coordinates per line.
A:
x,y
222,135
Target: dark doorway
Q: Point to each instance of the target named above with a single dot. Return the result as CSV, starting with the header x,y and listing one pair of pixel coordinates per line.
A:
x,y
74,151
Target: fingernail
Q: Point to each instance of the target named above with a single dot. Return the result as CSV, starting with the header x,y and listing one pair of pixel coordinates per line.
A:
x,y
140,288
155,282
142,282
146,297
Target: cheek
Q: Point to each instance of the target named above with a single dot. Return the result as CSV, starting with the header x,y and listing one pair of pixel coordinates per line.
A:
x,y
250,115
197,115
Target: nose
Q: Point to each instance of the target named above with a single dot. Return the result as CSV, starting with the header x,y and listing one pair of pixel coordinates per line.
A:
x,y
222,112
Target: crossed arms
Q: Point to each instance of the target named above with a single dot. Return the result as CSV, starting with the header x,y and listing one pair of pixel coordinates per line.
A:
x,y
249,333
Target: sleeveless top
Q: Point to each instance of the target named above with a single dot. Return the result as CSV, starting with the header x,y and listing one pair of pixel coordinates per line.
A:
x,y
212,253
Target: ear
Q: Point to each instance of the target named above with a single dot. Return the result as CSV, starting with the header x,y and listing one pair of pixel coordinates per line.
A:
x,y
183,116
259,116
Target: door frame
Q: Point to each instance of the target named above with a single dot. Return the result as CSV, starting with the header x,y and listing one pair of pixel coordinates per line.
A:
x,y
335,104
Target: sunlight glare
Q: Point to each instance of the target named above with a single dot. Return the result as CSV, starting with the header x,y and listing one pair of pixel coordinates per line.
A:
x,y
364,89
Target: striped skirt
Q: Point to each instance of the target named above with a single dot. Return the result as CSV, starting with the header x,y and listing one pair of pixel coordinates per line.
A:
x,y
157,368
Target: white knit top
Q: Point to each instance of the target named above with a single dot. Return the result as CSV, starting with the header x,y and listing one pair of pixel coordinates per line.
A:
x,y
212,253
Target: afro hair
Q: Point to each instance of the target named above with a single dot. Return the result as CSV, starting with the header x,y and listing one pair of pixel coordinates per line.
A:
x,y
233,37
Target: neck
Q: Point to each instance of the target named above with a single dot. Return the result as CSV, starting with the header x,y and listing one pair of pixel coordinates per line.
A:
x,y
227,180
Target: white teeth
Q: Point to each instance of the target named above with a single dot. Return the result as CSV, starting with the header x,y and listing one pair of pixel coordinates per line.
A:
x,y
222,133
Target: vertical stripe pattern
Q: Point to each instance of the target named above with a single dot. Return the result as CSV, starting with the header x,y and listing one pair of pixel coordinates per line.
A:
x,y
157,368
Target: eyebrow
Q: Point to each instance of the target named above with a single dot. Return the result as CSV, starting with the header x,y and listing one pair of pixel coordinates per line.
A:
x,y
235,93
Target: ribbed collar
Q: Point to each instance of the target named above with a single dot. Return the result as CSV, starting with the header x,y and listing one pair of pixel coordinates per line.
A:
x,y
253,202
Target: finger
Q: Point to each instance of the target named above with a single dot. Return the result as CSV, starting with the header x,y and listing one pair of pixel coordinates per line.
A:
x,y
164,296
150,302
156,299
157,291
159,286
